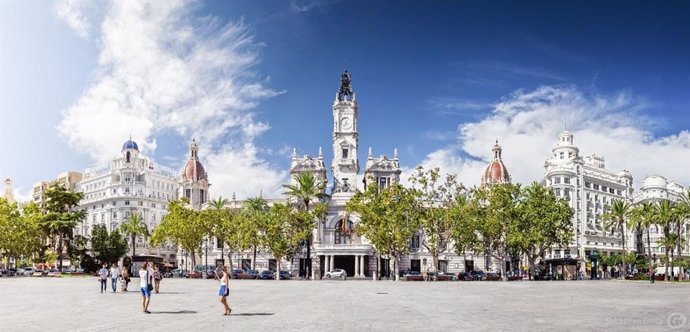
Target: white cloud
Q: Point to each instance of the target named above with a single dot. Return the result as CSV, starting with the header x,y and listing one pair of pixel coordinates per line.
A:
x,y
162,68
307,5
73,12
527,124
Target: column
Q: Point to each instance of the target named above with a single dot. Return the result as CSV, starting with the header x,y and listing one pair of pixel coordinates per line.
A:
x,y
356,266
326,262
361,265
332,262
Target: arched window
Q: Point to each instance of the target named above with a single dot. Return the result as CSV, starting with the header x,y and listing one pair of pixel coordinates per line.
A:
x,y
343,231
128,155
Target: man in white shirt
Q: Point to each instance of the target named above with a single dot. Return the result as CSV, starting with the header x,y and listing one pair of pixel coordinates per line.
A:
x,y
103,276
114,274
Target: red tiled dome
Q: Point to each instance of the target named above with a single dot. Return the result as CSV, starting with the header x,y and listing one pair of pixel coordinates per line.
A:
x,y
496,172
189,170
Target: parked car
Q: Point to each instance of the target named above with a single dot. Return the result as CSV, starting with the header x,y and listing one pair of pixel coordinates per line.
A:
x,y
235,274
37,273
478,275
336,273
177,273
446,276
267,274
414,276
285,275
195,275
492,277
249,274
28,271
465,276
54,273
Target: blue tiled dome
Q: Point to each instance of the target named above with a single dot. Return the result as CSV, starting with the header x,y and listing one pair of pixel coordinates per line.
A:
x,y
130,145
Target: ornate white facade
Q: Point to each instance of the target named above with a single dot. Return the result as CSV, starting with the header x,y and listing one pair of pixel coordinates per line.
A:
x,y
589,188
132,183
656,188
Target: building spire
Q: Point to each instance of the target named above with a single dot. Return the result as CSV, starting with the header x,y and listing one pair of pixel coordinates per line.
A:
x,y
395,153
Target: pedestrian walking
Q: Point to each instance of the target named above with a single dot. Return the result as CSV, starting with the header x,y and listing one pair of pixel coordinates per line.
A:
x,y
146,287
157,276
651,275
125,279
225,291
103,276
114,275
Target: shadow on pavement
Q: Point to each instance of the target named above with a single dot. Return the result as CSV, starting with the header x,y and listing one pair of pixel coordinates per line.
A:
x,y
254,314
174,312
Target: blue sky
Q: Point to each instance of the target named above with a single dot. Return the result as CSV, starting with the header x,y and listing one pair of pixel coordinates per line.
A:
x,y
439,80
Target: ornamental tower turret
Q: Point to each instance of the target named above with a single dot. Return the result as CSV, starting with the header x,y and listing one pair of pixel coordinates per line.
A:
x,y
345,164
496,172
194,181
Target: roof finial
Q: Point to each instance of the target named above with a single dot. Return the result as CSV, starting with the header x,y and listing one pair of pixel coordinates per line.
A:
x,y
233,196
395,153
294,152
320,152
369,156
261,193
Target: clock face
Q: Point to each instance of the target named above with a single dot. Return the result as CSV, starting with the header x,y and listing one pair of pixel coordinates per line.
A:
x,y
345,123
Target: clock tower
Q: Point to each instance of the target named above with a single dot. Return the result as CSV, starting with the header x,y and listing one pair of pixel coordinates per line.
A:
x,y
345,138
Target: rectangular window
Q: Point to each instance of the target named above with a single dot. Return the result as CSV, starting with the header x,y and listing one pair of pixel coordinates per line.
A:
x,y
414,243
126,202
566,180
596,186
588,185
557,180
114,215
383,182
344,155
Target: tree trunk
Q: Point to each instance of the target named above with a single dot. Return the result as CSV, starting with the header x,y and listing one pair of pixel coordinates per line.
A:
x,y
502,268
666,276
193,258
435,262
678,247
60,253
254,259
670,259
623,244
277,276
134,244
395,268
230,258
649,247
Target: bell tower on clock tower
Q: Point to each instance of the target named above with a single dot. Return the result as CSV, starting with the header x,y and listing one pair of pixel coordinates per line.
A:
x,y
345,138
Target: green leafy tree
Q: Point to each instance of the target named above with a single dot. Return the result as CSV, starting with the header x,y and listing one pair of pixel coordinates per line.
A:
x,y
283,229
21,232
497,215
437,197
545,222
253,214
133,227
463,212
616,219
107,247
306,189
222,221
61,215
183,227
389,218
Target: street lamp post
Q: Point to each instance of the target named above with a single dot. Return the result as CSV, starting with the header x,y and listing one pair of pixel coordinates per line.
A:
x,y
206,254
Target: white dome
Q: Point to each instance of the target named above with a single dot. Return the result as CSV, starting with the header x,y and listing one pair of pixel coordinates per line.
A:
x,y
654,181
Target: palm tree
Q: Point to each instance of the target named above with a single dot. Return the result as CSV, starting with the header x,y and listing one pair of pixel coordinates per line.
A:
x,y
620,210
305,190
134,226
254,208
643,216
683,215
218,205
664,214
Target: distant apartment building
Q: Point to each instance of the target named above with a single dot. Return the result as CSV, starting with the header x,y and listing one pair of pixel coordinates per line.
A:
x,y
67,179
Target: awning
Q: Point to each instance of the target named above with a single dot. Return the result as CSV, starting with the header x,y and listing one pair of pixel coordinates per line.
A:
x,y
561,261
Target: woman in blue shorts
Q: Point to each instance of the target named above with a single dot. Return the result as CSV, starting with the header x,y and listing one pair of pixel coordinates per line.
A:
x,y
225,291
145,276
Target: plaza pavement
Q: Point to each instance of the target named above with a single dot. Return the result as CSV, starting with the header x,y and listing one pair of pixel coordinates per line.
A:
x,y
75,304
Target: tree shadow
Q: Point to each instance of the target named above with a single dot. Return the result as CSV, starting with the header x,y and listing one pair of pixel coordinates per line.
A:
x,y
254,314
174,312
